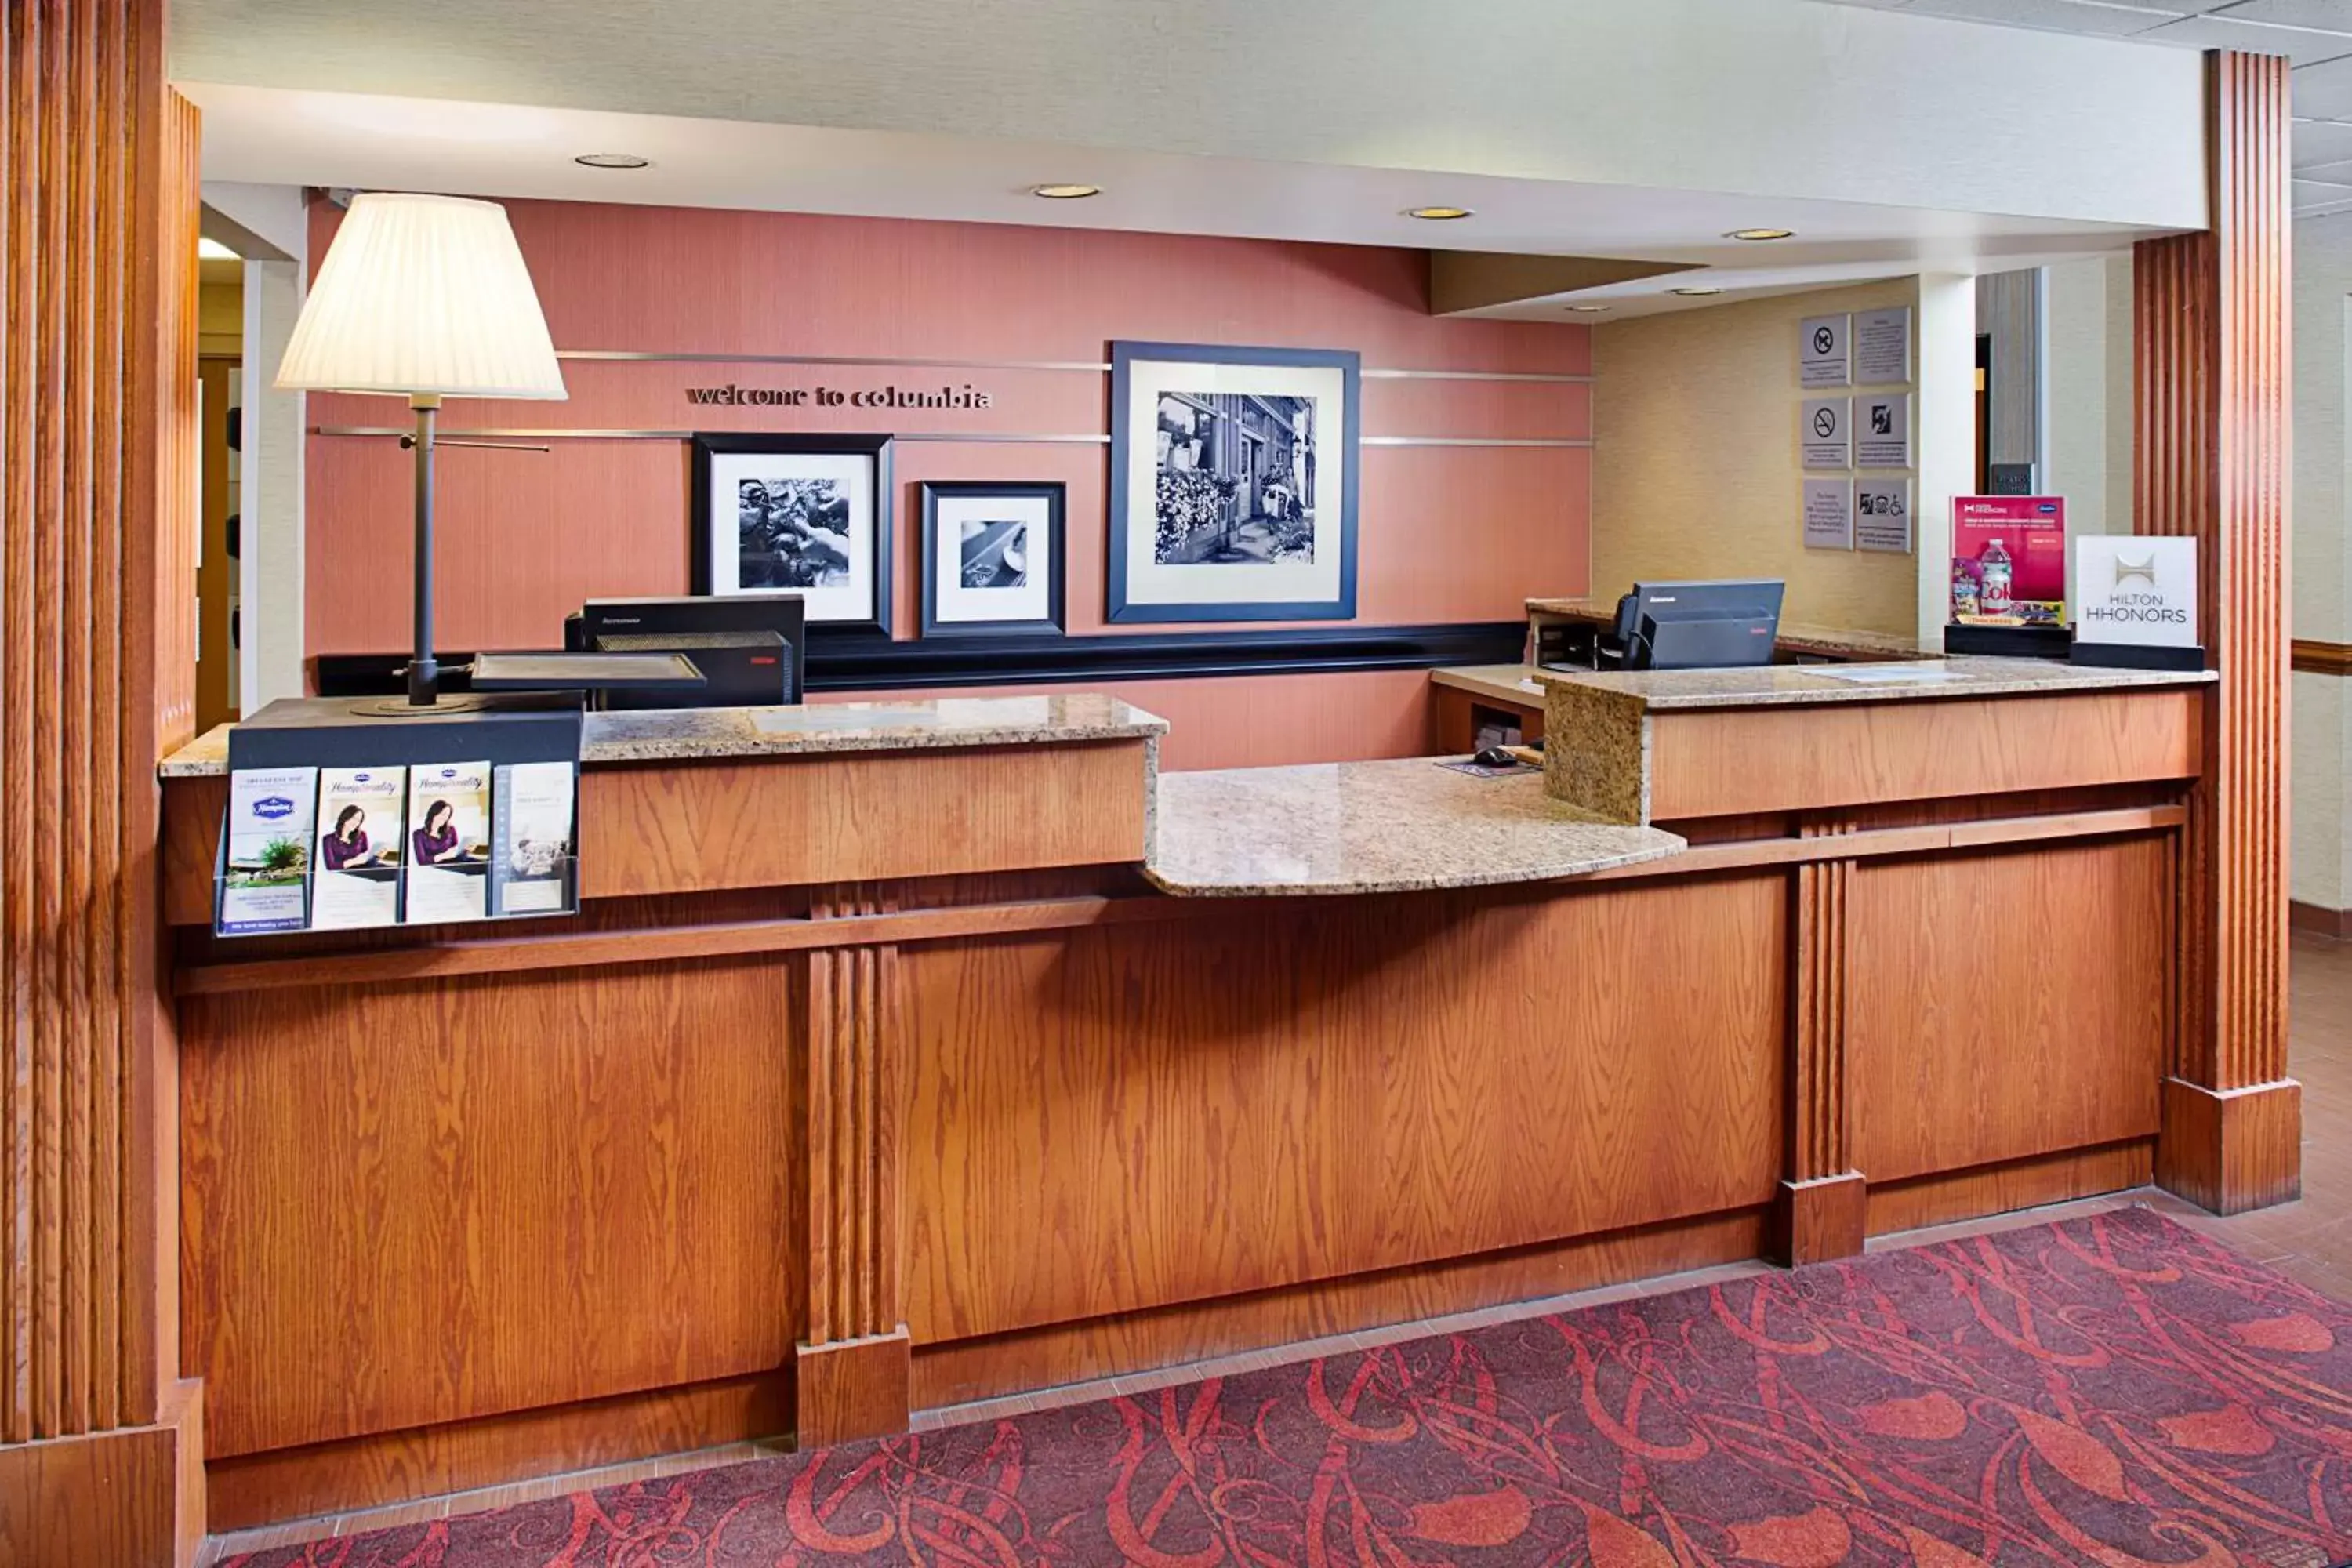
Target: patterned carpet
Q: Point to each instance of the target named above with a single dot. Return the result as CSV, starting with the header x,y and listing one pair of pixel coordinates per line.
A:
x,y
2114,1391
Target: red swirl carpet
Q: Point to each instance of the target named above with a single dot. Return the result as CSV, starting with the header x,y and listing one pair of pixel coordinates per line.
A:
x,y
2114,1391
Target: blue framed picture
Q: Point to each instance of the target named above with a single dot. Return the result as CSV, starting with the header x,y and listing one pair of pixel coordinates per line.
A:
x,y
1233,483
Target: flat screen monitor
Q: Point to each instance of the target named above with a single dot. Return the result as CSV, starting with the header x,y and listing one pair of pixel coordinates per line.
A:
x,y
696,615
1707,624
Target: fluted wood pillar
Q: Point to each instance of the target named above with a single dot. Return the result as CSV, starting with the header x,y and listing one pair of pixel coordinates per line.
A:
x,y
2213,417
853,1364
1822,1211
98,1439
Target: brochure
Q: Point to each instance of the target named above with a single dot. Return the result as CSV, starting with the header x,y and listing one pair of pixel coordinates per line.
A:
x,y
266,885
447,848
356,881
2008,561
532,868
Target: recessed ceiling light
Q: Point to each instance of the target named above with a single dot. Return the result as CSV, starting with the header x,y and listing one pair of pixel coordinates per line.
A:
x,y
1066,192
1438,214
1761,234
1695,293
613,161
1588,310
214,250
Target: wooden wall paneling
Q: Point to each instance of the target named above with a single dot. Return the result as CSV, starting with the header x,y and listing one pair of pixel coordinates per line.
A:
x,y
97,280
2006,1004
852,1363
687,827
2214,379
1821,1207
471,1197
1717,762
1125,1117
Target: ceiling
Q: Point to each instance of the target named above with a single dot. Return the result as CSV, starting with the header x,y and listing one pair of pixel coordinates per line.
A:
x,y
2317,35
1611,128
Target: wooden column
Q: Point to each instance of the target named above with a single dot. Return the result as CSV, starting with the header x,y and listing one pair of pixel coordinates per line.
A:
x,y
1824,1199
2212,392
854,1365
99,1441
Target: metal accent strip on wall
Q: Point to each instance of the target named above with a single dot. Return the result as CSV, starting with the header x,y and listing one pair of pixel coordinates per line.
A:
x,y
954,436
1097,367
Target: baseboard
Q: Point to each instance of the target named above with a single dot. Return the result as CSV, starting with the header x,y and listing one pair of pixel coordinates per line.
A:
x,y
958,1372
1980,1190
2320,921
131,1498
461,1456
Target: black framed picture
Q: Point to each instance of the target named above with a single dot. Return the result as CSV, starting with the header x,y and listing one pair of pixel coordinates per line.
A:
x,y
805,514
1233,491
992,556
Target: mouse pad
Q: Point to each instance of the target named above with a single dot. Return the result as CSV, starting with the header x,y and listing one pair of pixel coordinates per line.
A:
x,y
1476,772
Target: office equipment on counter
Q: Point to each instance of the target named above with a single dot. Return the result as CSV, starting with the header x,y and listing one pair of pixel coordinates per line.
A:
x,y
669,676
1727,623
750,648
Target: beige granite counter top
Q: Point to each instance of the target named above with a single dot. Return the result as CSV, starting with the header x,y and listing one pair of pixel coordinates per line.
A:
x,y
1376,827
685,735
1512,683
1792,685
1815,642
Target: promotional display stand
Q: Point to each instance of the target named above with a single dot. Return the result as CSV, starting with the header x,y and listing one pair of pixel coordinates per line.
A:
x,y
341,816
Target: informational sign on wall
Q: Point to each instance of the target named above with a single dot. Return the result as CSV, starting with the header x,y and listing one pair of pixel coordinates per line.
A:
x,y
1881,430
1882,515
1823,426
2131,588
1829,514
1882,347
1821,355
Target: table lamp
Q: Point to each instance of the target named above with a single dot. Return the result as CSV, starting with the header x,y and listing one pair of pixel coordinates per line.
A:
x,y
422,298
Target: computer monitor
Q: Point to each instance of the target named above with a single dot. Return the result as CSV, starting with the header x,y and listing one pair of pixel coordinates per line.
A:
x,y
1719,624
725,635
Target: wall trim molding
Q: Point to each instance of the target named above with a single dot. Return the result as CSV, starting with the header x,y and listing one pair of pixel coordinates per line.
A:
x,y
2319,919
2312,657
841,661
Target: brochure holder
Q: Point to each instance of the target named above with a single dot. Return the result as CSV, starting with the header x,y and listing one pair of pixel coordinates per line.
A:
x,y
339,734
2138,656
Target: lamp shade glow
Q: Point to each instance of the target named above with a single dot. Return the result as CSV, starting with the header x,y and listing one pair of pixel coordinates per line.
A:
x,y
423,296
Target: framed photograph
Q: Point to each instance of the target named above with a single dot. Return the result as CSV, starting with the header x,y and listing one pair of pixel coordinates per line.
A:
x,y
991,558
1233,491
805,514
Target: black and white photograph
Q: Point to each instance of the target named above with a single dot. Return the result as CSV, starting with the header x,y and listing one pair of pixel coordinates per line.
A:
x,y
1233,485
1236,480
992,557
805,514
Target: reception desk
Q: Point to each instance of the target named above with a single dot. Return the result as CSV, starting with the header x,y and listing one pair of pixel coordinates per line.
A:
x,y
906,1056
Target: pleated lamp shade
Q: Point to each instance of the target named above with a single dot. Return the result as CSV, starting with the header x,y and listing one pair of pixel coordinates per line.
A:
x,y
422,295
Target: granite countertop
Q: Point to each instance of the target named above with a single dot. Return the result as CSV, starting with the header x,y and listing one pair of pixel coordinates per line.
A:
x,y
1794,685
1504,682
1823,642
682,734
1376,827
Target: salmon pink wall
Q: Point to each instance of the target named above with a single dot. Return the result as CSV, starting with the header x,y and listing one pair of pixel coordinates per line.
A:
x,y
1446,534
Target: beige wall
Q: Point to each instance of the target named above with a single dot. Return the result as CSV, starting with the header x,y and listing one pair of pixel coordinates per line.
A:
x,y
2320,573
1696,468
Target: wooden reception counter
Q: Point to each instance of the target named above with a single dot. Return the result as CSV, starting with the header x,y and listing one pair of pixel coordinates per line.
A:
x,y
909,1055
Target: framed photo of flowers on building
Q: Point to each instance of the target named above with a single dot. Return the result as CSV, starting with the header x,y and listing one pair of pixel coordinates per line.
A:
x,y
805,514
1233,483
991,558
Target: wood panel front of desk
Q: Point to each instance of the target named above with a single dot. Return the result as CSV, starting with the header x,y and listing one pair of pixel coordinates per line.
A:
x,y
528,1199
